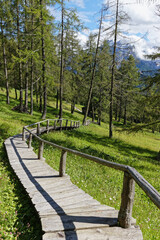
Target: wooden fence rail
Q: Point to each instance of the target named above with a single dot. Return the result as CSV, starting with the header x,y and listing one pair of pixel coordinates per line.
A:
x,y
130,174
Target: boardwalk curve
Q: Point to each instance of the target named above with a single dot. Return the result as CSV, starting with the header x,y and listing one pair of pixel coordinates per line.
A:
x,y
66,212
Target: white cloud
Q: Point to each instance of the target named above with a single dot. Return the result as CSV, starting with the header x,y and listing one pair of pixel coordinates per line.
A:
x,y
78,3
143,22
85,16
83,38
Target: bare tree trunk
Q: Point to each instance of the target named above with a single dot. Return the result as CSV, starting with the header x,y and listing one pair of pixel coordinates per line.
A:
x,y
100,107
20,64
113,73
37,93
120,107
43,68
57,97
73,107
40,96
26,74
93,113
125,112
116,109
62,62
5,64
31,87
93,72
26,89
16,95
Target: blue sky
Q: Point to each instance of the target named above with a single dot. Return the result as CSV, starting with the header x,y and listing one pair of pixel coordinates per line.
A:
x,y
88,11
143,22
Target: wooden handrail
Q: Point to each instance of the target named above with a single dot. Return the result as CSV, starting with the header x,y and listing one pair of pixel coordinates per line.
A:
x,y
130,175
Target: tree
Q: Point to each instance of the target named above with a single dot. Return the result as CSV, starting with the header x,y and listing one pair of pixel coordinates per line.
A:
x,y
4,13
94,69
128,75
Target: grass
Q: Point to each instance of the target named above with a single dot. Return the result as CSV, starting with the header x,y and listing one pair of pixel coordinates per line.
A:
x,y
18,219
103,183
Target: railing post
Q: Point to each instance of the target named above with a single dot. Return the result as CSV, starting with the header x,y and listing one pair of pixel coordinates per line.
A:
x,y
74,124
23,135
71,124
127,198
55,125
62,166
66,123
47,127
30,141
38,129
40,152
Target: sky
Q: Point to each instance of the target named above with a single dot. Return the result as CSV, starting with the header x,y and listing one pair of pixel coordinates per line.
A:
x,y
141,30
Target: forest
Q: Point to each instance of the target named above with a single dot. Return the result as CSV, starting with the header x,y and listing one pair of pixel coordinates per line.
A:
x,y
47,72
42,57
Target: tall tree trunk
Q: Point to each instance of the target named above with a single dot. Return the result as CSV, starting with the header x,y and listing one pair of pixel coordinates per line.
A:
x,y
113,73
120,107
31,87
20,63
93,113
26,74
37,93
5,64
62,62
40,96
72,106
100,106
93,72
57,97
26,88
125,112
43,67
116,109
16,95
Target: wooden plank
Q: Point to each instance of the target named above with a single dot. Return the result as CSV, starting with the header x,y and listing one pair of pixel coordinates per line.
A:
x,y
77,210
48,208
68,223
113,233
59,195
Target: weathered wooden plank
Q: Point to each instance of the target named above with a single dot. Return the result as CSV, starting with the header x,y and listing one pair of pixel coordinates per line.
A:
x,y
113,233
67,223
49,207
78,209
59,195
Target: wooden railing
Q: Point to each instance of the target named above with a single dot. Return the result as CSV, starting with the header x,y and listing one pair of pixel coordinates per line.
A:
x,y
130,174
57,124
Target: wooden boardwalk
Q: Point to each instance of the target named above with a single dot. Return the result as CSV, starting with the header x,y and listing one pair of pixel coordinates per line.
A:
x,y
66,212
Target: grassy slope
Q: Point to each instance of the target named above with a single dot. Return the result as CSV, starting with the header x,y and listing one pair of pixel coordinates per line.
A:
x,y
102,183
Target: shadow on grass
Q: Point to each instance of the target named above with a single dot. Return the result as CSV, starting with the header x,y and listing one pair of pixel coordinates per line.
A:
x,y
131,159
120,145
28,224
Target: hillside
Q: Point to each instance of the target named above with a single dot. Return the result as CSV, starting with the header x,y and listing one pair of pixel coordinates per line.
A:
x,y
104,184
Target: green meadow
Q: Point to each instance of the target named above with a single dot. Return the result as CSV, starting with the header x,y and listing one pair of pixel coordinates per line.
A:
x,y
18,219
